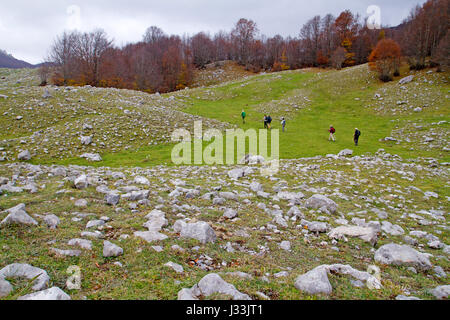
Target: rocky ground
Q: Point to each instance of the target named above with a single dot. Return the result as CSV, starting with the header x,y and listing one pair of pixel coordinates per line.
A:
x,y
355,224
334,227
219,72
61,123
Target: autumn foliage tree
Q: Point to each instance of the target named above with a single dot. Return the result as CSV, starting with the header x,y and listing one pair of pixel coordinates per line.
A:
x,y
441,55
162,62
44,74
385,59
346,28
243,36
423,30
338,57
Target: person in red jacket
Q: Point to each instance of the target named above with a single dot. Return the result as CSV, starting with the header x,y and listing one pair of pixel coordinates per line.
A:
x,y
331,131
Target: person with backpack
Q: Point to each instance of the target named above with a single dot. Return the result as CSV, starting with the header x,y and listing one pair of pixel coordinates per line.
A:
x,y
283,123
265,121
269,121
243,115
331,131
356,136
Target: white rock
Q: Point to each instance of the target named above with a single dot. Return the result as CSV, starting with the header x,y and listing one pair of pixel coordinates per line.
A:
x,y
406,79
314,281
111,250
141,180
82,243
95,157
86,140
69,253
285,245
5,288
201,231
81,182
367,234
17,215
81,203
18,270
441,292
392,229
402,255
51,220
213,283
112,198
150,236
186,294
24,155
175,266
53,293
236,173
318,201
345,153
402,297
230,213
94,223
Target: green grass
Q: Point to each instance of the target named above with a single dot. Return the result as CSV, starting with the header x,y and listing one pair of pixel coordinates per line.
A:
x,y
331,100
343,99
307,129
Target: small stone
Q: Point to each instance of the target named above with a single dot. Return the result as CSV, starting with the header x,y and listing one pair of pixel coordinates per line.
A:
x,y
53,293
52,221
285,245
175,266
201,231
402,255
24,155
112,199
111,250
82,243
441,292
81,182
230,213
81,203
17,215
314,281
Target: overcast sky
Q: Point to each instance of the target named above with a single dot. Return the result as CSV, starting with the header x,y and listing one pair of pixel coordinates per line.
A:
x,y
28,27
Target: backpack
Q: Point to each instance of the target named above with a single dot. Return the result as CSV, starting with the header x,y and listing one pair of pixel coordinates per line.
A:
x,y
332,130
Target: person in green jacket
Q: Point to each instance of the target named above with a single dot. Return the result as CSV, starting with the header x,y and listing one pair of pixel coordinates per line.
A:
x,y
243,115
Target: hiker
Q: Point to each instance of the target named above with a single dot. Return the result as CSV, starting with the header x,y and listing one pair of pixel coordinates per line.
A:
x,y
243,114
265,122
283,123
331,131
356,136
269,121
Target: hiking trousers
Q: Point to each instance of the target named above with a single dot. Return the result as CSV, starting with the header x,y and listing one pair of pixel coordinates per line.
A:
x,y
331,137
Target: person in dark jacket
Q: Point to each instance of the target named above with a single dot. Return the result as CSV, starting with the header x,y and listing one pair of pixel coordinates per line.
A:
x,y
331,131
265,122
269,121
356,136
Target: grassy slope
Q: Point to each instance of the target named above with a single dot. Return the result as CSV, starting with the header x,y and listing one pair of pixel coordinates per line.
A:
x,y
310,101
332,96
340,98
333,103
